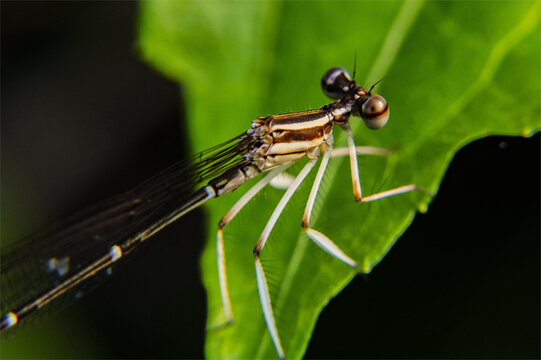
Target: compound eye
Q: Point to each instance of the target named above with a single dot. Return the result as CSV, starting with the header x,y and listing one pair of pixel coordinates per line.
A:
x,y
336,83
375,112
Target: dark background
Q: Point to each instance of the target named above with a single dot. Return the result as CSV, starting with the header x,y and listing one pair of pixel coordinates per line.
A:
x,y
83,119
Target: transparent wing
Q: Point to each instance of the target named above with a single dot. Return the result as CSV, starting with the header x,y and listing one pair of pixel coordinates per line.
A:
x,y
33,266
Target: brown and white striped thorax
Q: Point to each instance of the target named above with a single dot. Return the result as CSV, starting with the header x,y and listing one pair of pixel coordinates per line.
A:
x,y
287,138
282,140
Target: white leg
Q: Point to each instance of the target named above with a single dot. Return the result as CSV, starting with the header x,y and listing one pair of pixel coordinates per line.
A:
x,y
355,182
281,205
266,306
282,181
361,150
395,191
355,174
320,239
220,250
262,286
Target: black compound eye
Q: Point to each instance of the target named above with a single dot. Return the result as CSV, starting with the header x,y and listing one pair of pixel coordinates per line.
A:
x,y
336,83
375,112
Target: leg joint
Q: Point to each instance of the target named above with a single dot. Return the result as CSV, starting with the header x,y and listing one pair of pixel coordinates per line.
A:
x,y
256,251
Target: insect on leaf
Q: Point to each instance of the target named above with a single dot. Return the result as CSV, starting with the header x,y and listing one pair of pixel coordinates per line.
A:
x,y
445,69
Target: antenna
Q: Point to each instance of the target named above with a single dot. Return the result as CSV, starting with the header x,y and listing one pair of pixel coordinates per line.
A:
x,y
354,64
373,86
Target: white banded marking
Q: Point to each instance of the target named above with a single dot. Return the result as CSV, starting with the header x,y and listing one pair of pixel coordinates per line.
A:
x,y
61,267
300,125
9,320
115,253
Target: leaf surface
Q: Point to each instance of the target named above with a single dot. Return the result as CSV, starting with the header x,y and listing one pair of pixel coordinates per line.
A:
x,y
453,73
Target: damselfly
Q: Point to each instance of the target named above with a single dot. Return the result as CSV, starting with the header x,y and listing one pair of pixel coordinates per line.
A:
x,y
58,263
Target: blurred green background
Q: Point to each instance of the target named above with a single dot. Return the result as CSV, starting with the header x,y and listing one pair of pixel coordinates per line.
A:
x,y
83,118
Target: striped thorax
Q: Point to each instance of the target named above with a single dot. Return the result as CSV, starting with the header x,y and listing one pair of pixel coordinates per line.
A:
x,y
280,140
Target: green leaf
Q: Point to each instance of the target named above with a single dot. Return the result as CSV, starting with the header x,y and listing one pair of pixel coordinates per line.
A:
x,y
453,73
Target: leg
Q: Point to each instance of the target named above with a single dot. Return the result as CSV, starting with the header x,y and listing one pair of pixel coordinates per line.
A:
x,y
395,191
355,175
260,274
283,180
361,150
220,250
320,239
353,165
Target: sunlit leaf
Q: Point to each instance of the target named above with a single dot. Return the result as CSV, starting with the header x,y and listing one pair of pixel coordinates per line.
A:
x,y
453,72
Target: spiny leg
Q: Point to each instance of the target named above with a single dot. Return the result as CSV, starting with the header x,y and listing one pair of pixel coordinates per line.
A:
x,y
262,286
321,239
356,183
220,248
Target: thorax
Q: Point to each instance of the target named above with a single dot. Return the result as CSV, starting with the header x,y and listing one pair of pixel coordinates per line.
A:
x,y
289,137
